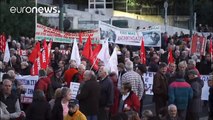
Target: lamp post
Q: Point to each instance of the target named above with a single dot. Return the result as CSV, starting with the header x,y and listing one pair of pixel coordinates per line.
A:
x,y
165,19
61,17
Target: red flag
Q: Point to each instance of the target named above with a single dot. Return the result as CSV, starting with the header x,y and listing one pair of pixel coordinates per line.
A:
x,y
44,55
170,57
37,62
2,43
94,57
80,37
34,53
210,49
143,52
49,51
87,51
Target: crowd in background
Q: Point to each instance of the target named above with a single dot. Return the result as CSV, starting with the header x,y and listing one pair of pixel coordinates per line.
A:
x,y
105,95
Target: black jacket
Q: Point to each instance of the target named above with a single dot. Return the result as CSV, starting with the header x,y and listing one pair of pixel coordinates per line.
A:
x,y
38,110
89,98
57,112
107,93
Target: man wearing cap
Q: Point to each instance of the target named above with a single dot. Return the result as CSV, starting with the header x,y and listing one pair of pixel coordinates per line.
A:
x,y
74,113
196,83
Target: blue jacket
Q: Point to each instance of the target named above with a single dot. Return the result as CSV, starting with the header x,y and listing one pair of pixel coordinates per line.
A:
x,y
180,93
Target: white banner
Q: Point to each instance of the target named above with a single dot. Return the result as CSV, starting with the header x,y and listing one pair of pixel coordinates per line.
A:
x,y
74,86
148,81
128,36
28,82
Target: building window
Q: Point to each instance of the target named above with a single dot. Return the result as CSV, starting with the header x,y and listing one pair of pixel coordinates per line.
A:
x,y
99,0
108,5
91,0
108,0
91,5
99,6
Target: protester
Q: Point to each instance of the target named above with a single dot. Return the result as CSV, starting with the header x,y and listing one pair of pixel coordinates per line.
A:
x,y
60,108
160,88
39,108
114,108
106,98
11,101
172,113
74,113
128,101
195,107
134,79
180,93
89,96
210,83
70,75
56,96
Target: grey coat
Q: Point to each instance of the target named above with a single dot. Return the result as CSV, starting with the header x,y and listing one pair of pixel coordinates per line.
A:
x,y
195,104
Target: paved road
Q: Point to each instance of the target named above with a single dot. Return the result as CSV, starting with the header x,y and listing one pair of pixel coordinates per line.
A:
x,y
149,105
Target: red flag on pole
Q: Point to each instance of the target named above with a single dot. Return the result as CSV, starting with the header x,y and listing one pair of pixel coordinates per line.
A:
x,y
2,43
93,59
34,53
44,55
170,57
80,37
143,52
87,51
37,62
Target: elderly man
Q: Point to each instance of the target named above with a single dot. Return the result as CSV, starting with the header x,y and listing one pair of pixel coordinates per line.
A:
x,y
107,93
81,70
89,96
160,88
171,72
195,104
172,113
71,75
9,99
134,79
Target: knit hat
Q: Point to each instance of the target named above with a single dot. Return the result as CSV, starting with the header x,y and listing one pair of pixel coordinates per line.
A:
x,y
42,73
192,72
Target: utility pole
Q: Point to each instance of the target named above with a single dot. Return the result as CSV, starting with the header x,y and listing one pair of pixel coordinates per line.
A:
x,y
191,3
165,19
61,17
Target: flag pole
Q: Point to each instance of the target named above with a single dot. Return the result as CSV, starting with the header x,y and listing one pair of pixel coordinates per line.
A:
x,y
93,64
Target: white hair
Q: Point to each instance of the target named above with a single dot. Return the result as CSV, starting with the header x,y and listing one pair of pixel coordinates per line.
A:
x,y
11,73
191,61
129,65
82,66
172,106
105,69
182,63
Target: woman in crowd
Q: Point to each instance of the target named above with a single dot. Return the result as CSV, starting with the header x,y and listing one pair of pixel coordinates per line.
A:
x,y
39,108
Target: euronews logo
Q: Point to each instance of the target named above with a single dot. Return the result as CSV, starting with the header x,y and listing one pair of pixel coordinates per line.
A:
x,y
29,10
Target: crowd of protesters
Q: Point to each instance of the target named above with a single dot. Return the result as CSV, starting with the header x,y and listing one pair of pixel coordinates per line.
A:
x,y
105,95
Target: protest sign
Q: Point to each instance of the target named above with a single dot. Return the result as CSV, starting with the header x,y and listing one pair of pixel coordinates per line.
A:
x,y
28,83
43,32
148,82
128,36
74,86
205,89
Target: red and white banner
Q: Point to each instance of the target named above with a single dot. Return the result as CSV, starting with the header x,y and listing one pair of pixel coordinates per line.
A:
x,y
43,32
2,43
198,45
